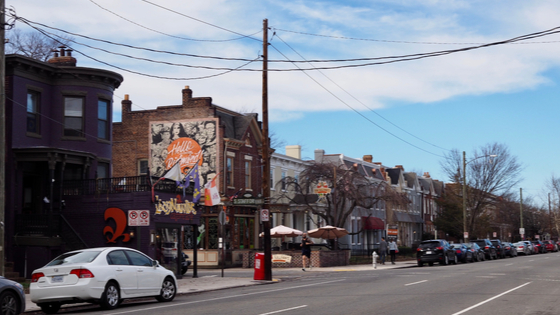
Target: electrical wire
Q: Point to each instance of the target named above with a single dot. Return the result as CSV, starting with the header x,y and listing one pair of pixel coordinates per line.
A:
x,y
356,99
198,20
356,111
399,41
173,36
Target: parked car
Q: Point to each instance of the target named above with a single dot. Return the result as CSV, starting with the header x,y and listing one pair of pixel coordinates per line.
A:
x,y
534,249
478,252
499,249
550,246
509,249
463,253
12,297
104,275
523,248
489,249
435,251
540,246
169,250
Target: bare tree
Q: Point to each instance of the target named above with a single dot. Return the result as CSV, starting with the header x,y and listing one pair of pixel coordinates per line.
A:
x,y
350,191
491,172
553,186
33,44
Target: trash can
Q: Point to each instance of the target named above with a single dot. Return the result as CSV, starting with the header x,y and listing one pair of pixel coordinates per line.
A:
x,y
259,266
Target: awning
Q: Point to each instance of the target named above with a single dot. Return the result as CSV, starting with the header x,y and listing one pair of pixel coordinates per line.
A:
x,y
372,223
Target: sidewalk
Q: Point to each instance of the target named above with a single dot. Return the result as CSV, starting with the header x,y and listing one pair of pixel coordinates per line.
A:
x,y
189,285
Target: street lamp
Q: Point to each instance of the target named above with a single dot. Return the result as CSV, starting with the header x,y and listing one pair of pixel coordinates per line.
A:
x,y
465,232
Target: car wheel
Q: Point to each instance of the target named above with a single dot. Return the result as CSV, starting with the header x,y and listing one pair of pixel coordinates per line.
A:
x,y
9,303
110,297
168,290
445,260
420,264
49,308
454,259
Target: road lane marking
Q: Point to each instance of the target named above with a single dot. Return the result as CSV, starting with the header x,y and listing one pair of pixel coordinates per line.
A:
x,y
509,264
490,299
229,297
415,282
284,310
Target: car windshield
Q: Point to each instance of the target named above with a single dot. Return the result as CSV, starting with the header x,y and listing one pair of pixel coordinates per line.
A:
x,y
429,244
481,243
74,258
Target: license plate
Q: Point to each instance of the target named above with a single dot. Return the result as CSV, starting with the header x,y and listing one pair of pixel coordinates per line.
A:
x,y
428,252
57,279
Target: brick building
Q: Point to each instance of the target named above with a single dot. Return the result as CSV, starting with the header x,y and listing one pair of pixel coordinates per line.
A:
x,y
225,145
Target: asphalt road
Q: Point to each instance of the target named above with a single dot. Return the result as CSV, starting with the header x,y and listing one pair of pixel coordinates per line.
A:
x,y
522,285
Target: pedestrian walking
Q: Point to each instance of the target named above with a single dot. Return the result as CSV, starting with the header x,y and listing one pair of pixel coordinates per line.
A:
x,y
382,251
305,251
393,249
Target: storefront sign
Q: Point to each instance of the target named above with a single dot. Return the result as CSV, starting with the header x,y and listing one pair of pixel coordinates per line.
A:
x,y
240,201
171,206
281,258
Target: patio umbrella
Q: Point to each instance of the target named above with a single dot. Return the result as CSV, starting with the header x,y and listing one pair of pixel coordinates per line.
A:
x,y
327,232
282,231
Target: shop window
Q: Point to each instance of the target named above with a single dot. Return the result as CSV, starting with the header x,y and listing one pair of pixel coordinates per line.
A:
x,y
244,233
102,170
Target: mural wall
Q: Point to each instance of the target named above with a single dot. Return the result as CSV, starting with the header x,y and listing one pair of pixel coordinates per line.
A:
x,y
186,142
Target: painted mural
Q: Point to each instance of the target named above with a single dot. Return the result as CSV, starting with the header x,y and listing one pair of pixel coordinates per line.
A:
x,y
186,142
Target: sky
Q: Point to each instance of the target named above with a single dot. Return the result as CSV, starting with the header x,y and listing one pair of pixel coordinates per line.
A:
x,y
408,113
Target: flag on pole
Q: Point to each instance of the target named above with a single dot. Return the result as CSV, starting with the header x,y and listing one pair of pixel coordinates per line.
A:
x,y
211,194
196,179
175,173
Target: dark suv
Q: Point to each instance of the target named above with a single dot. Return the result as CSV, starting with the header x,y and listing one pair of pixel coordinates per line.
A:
x,y
489,248
499,248
435,251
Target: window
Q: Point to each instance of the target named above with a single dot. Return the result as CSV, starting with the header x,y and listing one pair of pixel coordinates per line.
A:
x,y
143,167
103,119
272,178
102,170
74,116
229,175
247,174
33,117
283,179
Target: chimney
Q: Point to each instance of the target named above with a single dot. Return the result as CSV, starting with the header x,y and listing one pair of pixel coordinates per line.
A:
x,y
399,166
61,58
368,158
319,155
294,151
427,174
187,95
126,107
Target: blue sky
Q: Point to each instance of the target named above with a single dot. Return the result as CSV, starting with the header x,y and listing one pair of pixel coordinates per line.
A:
x,y
506,94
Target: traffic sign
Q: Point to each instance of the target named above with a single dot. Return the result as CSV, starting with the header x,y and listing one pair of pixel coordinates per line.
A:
x,y
264,215
138,217
522,231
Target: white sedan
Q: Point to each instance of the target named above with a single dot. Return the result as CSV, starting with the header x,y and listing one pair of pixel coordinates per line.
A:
x,y
105,276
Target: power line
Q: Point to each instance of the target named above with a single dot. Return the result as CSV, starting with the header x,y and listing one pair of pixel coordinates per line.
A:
x,y
173,36
356,99
198,20
355,110
400,41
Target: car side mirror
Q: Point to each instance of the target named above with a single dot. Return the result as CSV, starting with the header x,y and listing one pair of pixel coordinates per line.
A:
x,y
155,263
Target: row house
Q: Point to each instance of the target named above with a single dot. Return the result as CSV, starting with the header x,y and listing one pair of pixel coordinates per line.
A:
x,y
222,147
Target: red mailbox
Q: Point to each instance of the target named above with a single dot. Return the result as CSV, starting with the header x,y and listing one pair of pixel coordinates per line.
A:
x,y
259,266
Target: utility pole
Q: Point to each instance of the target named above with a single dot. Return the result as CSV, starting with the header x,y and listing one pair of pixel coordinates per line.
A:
x,y
266,157
521,211
2,131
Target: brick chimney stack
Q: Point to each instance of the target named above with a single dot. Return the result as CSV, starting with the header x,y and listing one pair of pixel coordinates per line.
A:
x,y
187,95
64,59
368,158
126,106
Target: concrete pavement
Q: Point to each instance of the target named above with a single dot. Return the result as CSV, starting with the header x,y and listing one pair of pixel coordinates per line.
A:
x,y
188,284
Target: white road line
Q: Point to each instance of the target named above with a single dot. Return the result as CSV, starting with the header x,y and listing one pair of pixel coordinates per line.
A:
x,y
284,310
490,299
416,282
210,276
509,264
227,297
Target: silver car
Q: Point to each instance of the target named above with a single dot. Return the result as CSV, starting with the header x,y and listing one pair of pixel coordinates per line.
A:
x,y
522,248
